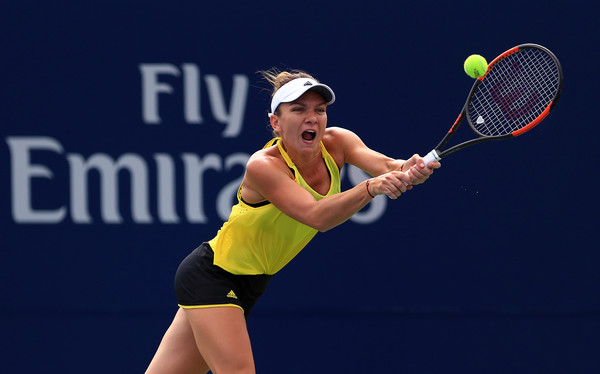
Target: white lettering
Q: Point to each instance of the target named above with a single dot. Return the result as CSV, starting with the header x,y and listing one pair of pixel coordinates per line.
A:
x,y
191,94
194,178
109,170
151,87
237,105
232,117
166,188
22,171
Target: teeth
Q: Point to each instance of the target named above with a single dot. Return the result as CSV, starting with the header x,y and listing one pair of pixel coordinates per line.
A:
x,y
309,134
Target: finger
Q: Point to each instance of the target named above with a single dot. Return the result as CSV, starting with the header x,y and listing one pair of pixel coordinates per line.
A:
x,y
419,176
422,166
414,175
433,165
411,161
391,194
406,180
397,187
425,172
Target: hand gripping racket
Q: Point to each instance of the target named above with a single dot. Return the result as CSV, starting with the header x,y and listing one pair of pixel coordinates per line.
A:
x,y
520,88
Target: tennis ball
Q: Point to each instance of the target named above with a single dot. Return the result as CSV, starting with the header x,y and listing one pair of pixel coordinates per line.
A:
x,y
475,66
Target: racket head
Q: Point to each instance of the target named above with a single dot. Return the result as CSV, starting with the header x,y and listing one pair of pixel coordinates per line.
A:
x,y
518,91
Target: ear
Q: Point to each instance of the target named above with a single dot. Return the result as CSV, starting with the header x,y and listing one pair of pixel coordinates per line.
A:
x,y
274,119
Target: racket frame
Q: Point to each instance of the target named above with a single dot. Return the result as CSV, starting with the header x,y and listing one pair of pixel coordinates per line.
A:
x,y
437,154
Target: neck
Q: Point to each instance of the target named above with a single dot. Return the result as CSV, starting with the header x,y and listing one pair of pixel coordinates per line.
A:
x,y
304,159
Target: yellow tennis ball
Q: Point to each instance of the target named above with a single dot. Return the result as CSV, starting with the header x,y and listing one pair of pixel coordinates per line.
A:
x,y
475,66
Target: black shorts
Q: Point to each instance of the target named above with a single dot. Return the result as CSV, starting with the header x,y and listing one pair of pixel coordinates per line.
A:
x,y
201,284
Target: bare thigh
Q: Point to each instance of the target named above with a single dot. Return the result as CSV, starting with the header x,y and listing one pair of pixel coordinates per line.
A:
x,y
178,353
222,337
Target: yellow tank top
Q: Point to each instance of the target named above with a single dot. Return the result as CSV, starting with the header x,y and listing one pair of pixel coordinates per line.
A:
x,y
262,239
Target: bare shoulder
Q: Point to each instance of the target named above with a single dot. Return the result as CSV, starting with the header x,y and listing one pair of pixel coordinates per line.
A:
x,y
340,143
338,133
265,160
264,169
340,137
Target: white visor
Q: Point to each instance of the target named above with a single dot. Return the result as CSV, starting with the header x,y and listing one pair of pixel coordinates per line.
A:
x,y
295,88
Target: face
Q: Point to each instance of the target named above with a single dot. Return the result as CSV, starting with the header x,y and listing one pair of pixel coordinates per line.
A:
x,y
301,124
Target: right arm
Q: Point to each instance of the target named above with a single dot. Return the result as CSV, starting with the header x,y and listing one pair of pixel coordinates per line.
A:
x,y
269,178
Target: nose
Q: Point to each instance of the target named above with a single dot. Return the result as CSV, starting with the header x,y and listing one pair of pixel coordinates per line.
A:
x,y
311,117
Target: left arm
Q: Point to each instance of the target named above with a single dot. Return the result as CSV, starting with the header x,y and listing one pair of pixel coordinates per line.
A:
x,y
349,148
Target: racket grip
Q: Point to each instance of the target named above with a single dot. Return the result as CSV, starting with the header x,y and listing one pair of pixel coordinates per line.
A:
x,y
430,157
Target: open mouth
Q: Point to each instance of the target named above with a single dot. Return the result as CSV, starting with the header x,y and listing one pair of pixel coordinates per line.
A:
x,y
309,135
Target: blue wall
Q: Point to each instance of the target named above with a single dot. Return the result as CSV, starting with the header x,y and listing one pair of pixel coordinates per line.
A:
x,y
492,266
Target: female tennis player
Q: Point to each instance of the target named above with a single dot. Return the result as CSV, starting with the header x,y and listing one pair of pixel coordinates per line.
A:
x,y
290,191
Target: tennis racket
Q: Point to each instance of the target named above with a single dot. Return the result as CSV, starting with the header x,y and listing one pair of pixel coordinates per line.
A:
x,y
520,88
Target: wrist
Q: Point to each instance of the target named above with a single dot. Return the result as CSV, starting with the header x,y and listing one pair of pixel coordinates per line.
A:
x,y
368,191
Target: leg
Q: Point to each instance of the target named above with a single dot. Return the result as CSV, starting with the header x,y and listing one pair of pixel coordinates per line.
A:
x,y
222,337
177,353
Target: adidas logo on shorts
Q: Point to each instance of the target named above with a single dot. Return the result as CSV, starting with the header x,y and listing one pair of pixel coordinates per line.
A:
x,y
232,295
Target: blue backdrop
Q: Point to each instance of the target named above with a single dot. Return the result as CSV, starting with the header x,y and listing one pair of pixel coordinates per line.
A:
x,y
125,126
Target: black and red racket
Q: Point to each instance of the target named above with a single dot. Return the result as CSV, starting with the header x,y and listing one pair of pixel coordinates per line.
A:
x,y
520,88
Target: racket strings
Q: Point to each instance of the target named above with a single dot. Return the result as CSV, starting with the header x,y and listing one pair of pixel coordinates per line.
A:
x,y
515,92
